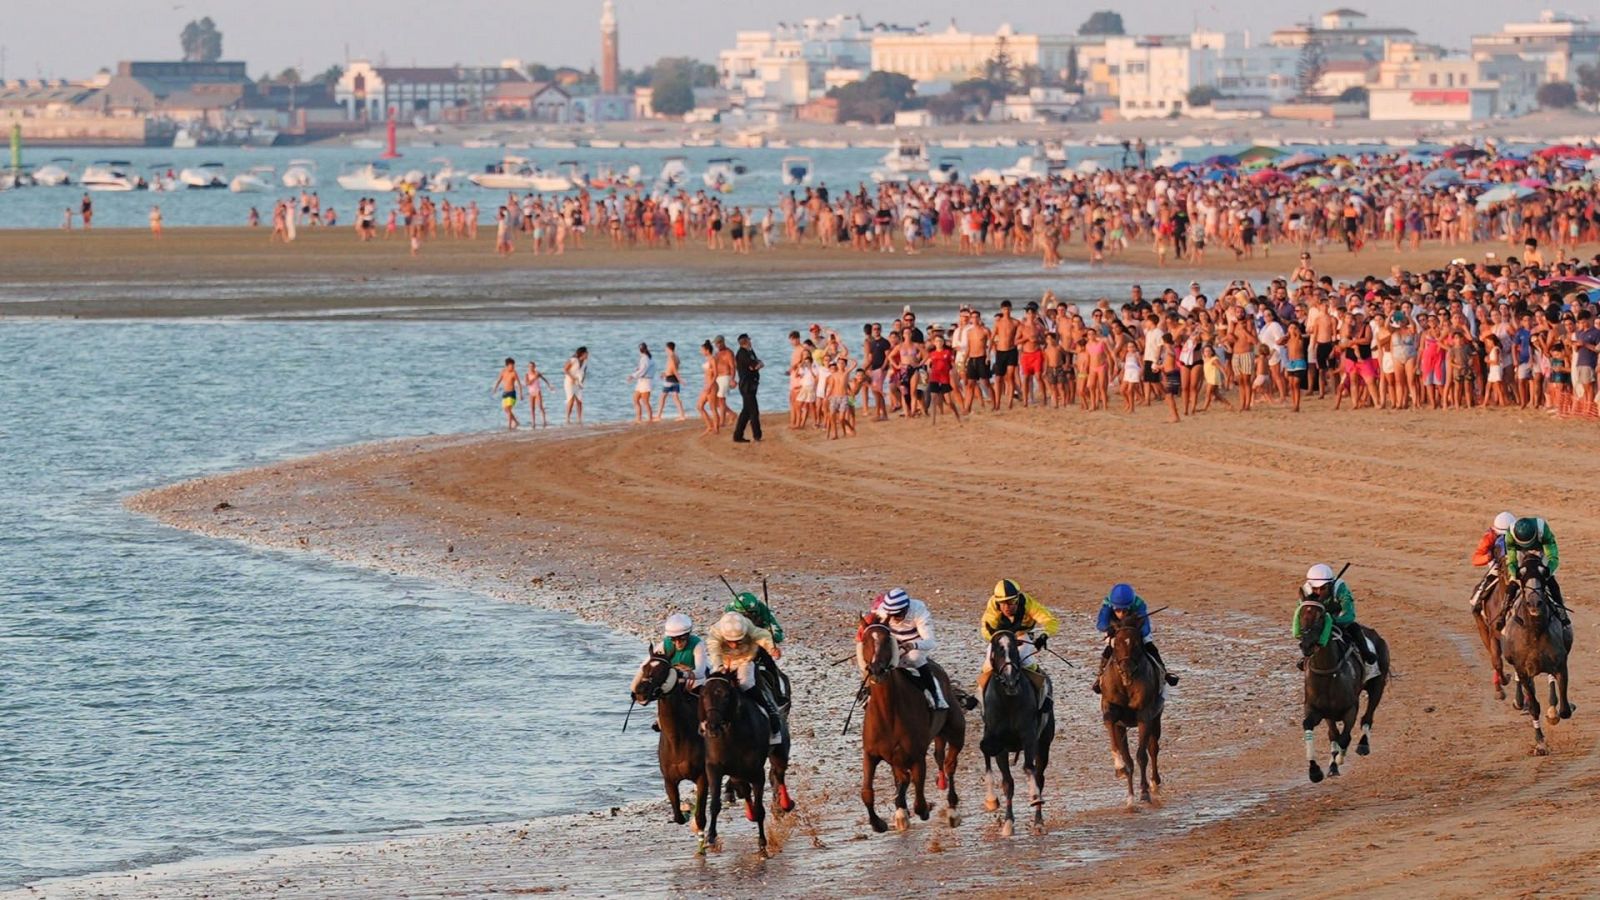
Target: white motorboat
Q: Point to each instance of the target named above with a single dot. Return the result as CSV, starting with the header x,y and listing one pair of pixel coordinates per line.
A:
x,y
515,173
946,171
206,176
796,170
445,177
367,144
613,176
604,143
674,173
720,174
885,176
53,173
906,156
15,178
1032,168
256,181
1055,151
372,177
109,175
1168,157
162,178
300,173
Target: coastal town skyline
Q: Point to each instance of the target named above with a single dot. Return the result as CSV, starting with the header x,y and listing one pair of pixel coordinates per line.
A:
x,y
363,29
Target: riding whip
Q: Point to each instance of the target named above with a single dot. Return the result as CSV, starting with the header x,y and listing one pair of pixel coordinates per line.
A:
x,y
860,692
764,598
630,713
1070,663
729,587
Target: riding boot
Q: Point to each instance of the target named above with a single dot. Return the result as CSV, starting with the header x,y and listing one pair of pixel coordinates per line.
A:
x,y
1105,657
930,685
773,718
1555,594
1155,654
1356,635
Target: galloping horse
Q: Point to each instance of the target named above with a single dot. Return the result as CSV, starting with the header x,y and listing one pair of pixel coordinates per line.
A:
x,y
681,750
1333,685
1490,618
898,726
1131,694
736,733
1536,643
1012,723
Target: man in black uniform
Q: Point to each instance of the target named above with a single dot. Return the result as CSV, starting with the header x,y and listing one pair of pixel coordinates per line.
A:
x,y
748,368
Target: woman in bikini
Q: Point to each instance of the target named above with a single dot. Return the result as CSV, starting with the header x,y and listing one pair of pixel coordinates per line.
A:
x,y
707,404
536,394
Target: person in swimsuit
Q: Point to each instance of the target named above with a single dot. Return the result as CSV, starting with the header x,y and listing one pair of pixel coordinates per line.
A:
x,y
573,374
508,384
644,379
535,393
707,404
671,383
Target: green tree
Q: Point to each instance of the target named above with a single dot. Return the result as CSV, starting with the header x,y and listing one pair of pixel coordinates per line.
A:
x,y
290,75
1589,84
1203,95
201,41
1557,95
672,86
874,99
1353,94
1103,21
541,72
1313,62
1000,69
330,75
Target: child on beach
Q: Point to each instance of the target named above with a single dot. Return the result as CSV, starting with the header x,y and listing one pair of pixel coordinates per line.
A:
x,y
508,385
1214,379
535,393
941,362
66,223
155,222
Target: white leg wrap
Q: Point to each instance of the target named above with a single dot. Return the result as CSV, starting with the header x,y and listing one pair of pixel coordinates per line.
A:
x,y
1311,746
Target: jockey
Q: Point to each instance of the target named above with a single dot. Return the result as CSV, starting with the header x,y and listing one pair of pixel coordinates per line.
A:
x,y
1336,599
1491,552
1010,609
733,647
760,615
912,626
683,649
1533,535
1124,601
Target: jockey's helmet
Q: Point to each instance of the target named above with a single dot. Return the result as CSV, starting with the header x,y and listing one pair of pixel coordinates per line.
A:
x,y
732,628
1525,534
744,602
677,625
896,602
1122,596
1007,591
1318,577
1503,522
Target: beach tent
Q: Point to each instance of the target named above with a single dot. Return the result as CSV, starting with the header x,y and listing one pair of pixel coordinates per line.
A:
x,y
1441,178
1303,158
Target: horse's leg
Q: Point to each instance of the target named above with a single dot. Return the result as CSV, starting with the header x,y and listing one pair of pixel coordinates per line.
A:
x,y
1309,723
1491,645
1041,761
778,761
1008,824
708,838
947,778
902,783
1144,762
1518,701
674,800
1375,689
700,803
1530,692
990,802
758,792
938,755
1561,681
919,778
1154,728
1119,749
869,768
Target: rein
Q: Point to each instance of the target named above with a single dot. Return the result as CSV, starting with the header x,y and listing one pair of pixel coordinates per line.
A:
x,y
1327,639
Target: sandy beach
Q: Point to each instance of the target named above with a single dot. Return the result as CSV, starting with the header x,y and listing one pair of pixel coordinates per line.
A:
x,y
123,273
1217,518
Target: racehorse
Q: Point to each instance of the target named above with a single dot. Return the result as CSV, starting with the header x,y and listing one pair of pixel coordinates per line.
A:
x,y
1333,685
1490,618
1132,694
737,748
1536,643
681,751
898,726
1012,723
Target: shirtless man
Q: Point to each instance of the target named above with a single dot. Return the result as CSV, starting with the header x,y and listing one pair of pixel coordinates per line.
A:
x,y
837,401
722,363
1030,343
976,377
1005,356
1242,343
508,384
875,355
1320,329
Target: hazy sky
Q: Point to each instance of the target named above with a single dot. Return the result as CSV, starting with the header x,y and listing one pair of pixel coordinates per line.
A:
x,y
73,38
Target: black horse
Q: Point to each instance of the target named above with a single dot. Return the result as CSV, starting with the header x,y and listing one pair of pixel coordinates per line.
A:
x,y
681,751
1013,723
737,748
1536,641
1335,679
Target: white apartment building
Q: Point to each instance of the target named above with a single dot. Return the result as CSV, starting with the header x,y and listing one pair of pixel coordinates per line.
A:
x,y
368,91
1418,82
1155,75
791,64
1345,35
1558,42
953,55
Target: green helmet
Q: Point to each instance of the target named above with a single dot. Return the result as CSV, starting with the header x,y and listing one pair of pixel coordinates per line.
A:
x,y
1525,534
745,603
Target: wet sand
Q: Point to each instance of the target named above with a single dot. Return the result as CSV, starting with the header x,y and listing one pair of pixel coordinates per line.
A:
x,y
1217,517
123,273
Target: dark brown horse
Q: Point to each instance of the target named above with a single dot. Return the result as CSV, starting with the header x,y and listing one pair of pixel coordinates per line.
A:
x,y
1489,615
1014,723
1536,643
681,751
1335,679
1132,695
898,726
737,748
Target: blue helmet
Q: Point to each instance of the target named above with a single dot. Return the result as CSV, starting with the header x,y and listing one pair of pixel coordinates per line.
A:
x,y
1122,596
896,601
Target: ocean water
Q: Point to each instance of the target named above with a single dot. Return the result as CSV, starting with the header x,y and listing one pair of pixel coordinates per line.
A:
x,y
164,695
840,169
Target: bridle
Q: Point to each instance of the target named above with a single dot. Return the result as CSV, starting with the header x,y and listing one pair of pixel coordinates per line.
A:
x,y
1008,672
712,716
1333,642
657,688
875,669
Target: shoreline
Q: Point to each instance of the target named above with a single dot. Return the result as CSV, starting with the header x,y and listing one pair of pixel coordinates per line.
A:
x,y
395,504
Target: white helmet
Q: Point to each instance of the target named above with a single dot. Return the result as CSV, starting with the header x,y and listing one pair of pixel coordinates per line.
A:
x,y
677,625
1318,575
732,627
1503,522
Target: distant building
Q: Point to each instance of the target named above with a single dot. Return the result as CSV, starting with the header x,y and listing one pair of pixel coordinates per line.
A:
x,y
609,68
1559,43
1345,34
1419,82
178,90
1155,75
367,92
533,101
797,61
955,55
1037,106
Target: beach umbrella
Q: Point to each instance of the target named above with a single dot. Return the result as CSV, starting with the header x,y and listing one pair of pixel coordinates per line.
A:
x,y
1269,176
1266,154
1594,164
1250,165
1180,165
1502,193
1462,151
1303,158
1221,160
1534,183
1441,178
1217,175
